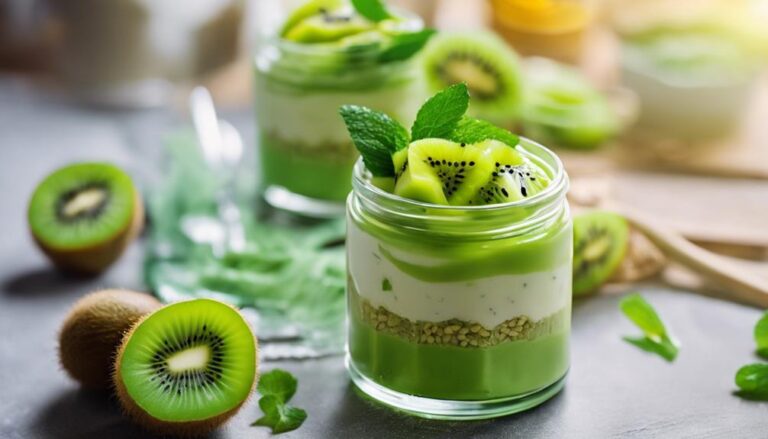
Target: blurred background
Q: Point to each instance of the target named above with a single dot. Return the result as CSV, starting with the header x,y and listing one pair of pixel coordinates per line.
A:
x,y
657,105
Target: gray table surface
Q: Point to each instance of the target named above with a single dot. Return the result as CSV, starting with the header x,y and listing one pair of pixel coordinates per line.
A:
x,y
613,389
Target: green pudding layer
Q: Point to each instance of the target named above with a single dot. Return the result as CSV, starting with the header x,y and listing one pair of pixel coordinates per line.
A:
x,y
427,367
319,175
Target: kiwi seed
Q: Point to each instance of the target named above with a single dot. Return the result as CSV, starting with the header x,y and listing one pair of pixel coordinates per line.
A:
x,y
186,368
84,215
92,332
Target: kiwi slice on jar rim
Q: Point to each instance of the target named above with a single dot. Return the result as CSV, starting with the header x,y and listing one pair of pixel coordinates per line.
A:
x,y
600,241
485,63
84,215
511,178
187,367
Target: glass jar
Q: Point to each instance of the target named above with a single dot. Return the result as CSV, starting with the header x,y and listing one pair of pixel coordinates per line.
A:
x,y
550,28
460,312
306,154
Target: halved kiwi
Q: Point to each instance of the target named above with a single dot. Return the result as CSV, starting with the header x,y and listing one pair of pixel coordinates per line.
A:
x,y
187,367
599,243
485,63
93,329
84,215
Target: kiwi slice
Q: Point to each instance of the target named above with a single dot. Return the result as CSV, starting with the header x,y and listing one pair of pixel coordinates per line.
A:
x,y
561,108
511,178
187,367
93,329
440,171
327,25
84,215
600,241
307,10
482,61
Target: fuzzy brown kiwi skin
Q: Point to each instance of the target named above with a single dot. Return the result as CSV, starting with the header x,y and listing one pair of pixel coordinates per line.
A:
x,y
158,426
93,330
95,259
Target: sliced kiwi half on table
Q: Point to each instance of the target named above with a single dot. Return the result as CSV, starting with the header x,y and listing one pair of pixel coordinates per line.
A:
x,y
186,368
600,241
482,61
84,215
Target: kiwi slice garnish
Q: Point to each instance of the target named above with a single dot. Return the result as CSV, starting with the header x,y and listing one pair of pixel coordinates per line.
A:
x,y
93,329
187,367
440,171
84,215
323,22
443,172
512,177
482,61
600,241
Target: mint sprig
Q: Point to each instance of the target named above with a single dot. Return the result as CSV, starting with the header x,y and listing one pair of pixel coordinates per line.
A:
x,y
752,381
277,387
656,338
441,113
405,45
469,130
373,10
761,336
376,135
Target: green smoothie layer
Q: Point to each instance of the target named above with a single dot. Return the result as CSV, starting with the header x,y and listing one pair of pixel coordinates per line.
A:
x,y
323,174
404,359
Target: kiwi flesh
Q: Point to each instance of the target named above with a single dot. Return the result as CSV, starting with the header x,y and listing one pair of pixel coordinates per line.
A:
x,y
600,241
511,178
93,329
441,172
186,368
84,215
322,22
482,61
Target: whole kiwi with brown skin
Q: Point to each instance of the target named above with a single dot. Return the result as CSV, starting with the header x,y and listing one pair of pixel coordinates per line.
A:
x,y
92,332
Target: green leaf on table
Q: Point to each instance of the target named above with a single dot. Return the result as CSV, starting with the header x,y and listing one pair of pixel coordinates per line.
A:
x,y
470,130
761,336
441,113
279,416
373,10
752,381
405,45
376,135
279,383
664,349
656,338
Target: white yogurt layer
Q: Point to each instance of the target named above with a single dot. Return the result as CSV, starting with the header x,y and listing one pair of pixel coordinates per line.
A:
x,y
488,301
312,117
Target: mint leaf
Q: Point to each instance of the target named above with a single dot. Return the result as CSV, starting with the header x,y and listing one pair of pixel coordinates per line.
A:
x,y
376,136
761,336
279,416
405,45
279,383
752,381
386,285
470,130
656,339
440,114
373,10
